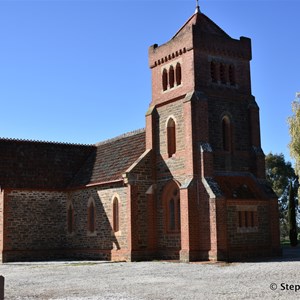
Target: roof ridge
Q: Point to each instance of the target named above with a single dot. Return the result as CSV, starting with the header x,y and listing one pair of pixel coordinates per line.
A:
x,y
42,142
122,136
188,20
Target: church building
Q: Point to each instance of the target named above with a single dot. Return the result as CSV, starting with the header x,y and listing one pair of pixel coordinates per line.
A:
x,y
190,186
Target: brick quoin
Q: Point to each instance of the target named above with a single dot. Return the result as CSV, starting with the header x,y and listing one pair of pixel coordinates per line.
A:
x,y
197,193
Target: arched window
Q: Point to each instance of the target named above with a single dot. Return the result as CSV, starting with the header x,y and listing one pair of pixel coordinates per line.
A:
x,y
223,73
213,71
226,134
171,137
91,217
70,218
165,80
231,75
178,74
172,222
172,207
178,210
116,216
171,77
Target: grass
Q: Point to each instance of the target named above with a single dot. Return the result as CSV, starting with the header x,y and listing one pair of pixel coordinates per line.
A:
x,y
285,242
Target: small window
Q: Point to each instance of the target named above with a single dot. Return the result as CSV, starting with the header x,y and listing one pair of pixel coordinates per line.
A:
x,y
165,80
174,212
70,218
91,217
231,75
240,218
171,77
226,134
171,137
172,215
178,210
178,74
116,215
223,73
171,207
213,71
247,219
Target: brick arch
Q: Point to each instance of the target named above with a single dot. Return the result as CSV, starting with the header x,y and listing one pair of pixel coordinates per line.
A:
x,y
178,73
227,129
171,206
91,215
171,76
214,74
116,204
164,79
171,135
70,216
232,74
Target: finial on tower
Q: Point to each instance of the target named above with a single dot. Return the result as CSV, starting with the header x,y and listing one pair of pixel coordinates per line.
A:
x,y
197,7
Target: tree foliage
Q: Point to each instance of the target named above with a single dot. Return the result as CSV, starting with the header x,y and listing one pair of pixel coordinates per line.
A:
x,y
292,217
280,174
294,123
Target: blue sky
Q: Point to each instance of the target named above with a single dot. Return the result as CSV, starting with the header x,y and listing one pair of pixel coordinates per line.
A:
x,y
77,71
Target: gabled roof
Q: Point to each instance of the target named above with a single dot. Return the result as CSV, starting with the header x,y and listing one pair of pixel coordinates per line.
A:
x,y
240,186
46,165
203,24
111,159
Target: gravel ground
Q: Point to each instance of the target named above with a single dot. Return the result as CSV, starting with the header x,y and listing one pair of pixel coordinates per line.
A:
x,y
153,280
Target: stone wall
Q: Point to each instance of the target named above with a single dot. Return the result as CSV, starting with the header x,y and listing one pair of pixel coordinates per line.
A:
x,y
142,221
36,224
34,221
103,240
252,241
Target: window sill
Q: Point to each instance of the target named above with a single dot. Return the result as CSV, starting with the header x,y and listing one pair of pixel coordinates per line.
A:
x,y
247,229
92,233
173,232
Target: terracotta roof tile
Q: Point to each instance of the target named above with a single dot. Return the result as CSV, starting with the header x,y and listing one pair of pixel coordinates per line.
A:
x,y
240,187
47,165
111,159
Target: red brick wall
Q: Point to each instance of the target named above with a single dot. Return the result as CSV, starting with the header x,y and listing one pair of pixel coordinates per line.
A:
x,y
222,50
1,222
177,50
198,106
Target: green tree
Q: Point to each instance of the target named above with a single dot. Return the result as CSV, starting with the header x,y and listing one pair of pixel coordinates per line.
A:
x,y
292,217
294,123
280,173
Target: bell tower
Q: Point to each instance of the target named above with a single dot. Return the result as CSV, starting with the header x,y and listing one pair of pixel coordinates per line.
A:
x,y
203,62
203,128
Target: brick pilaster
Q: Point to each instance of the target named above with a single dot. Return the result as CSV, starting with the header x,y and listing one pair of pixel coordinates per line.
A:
x,y
188,130
185,225
131,215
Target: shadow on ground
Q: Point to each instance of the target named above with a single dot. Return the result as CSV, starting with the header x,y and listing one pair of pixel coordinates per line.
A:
x,y
290,253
